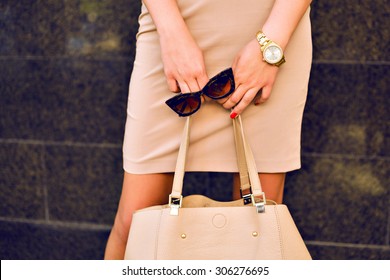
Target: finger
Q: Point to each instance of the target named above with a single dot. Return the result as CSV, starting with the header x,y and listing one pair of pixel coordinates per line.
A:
x,y
265,94
184,88
173,86
235,97
206,98
202,81
245,101
257,97
193,85
234,65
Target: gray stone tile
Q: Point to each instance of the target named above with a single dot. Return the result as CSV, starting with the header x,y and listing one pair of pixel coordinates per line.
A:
x,y
53,27
77,100
345,115
21,181
319,252
340,200
84,183
20,241
350,30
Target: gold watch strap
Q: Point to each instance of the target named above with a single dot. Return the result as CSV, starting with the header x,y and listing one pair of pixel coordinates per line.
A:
x,y
264,41
283,60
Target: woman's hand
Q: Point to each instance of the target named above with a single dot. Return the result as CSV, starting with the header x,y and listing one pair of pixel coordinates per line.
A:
x,y
183,61
252,75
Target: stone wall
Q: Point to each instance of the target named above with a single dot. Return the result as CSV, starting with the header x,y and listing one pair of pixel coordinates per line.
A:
x,y
64,73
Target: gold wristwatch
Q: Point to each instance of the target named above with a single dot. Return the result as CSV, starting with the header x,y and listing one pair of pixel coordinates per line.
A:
x,y
272,52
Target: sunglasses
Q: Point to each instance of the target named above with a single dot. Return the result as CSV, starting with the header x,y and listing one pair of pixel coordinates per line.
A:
x,y
219,86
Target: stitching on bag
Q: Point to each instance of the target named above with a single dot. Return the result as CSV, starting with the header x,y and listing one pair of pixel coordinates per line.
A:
x,y
280,232
157,235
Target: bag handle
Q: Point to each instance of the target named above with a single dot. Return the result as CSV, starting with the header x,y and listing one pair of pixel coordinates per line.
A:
x,y
250,184
245,158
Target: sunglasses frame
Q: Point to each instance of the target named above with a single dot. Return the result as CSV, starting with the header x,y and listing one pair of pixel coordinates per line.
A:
x,y
183,97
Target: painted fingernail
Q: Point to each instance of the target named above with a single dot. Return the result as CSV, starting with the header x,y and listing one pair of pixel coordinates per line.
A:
x,y
233,115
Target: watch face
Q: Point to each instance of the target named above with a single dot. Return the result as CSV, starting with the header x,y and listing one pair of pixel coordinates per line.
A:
x,y
273,54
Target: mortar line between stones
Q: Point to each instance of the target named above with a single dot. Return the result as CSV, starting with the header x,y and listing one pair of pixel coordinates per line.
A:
x,y
350,62
128,58
44,184
59,143
388,227
58,224
119,146
347,245
344,156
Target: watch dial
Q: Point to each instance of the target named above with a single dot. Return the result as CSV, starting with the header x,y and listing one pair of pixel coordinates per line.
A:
x,y
273,54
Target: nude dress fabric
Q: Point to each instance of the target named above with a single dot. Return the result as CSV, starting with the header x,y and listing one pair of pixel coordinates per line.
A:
x,y
221,28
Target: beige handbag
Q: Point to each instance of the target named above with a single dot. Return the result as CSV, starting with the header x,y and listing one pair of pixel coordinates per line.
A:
x,y
196,227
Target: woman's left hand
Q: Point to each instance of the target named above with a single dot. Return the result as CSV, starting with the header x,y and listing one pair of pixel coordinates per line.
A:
x,y
251,75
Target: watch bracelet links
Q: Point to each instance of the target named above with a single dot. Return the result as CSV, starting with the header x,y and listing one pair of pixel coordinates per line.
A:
x,y
264,41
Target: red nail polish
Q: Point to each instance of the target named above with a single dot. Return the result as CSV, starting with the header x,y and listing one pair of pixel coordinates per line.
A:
x,y
233,115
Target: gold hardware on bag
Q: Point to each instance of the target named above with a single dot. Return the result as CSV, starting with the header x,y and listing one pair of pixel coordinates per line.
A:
x,y
183,236
255,234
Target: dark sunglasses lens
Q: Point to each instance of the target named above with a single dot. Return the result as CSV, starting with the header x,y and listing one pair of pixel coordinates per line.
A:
x,y
220,86
184,104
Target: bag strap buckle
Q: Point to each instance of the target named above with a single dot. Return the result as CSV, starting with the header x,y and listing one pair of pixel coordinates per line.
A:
x,y
175,203
246,195
249,198
259,202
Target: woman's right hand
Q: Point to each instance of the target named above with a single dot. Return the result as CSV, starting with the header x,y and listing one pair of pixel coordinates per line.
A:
x,y
182,58
183,62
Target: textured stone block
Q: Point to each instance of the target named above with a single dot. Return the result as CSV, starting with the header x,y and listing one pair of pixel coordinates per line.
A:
x,y
84,183
22,181
341,252
21,241
58,27
340,200
350,30
347,110
64,99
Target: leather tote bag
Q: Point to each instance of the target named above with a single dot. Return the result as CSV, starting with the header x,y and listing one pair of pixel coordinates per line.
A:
x,y
197,227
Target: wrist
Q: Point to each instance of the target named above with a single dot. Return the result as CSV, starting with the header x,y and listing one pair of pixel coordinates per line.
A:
x,y
276,36
177,37
271,51
173,29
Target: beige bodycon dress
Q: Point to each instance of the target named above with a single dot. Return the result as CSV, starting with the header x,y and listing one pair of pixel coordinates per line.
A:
x,y
221,28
